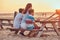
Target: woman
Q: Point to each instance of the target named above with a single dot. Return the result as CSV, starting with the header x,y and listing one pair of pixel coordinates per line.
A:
x,y
26,13
27,8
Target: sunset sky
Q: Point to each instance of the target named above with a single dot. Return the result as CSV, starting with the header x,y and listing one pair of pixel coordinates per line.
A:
x,y
38,5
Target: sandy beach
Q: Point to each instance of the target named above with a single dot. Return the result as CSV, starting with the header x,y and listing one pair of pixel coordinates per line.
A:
x,y
45,13
8,35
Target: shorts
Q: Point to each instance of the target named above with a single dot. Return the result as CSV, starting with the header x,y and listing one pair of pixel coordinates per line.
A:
x,y
30,27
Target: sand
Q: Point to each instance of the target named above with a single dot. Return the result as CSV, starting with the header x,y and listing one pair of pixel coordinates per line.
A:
x,y
8,35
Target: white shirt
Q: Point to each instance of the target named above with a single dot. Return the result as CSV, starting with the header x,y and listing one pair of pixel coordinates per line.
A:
x,y
24,17
23,24
17,20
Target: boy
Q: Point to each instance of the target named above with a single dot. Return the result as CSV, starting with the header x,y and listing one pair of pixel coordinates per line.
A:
x,y
30,20
30,23
17,21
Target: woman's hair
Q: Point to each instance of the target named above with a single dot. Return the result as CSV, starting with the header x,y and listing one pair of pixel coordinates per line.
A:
x,y
27,7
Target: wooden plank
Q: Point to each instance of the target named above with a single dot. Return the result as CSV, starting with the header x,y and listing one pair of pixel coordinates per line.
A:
x,y
0,24
56,29
46,21
49,17
7,24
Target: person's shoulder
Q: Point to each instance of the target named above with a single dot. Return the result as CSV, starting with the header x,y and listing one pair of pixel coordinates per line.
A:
x,y
19,13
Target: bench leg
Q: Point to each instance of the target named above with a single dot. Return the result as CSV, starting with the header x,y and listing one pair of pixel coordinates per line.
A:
x,y
41,32
1,27
46,28
56,29
1,24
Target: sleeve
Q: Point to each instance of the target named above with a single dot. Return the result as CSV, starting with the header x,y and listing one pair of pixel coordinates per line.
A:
x,y
33,19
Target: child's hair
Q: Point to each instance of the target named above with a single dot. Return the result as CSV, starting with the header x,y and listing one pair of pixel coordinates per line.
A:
x,y
31,11
20,10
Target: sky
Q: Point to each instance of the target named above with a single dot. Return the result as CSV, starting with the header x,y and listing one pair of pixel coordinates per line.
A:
x,y
38,5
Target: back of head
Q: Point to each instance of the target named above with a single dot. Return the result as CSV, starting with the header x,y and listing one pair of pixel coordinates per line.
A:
x,y
31,11
21,10
29,5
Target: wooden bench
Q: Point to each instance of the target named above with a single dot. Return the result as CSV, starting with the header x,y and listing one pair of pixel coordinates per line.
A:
x,y
6,24
44,24
5,17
